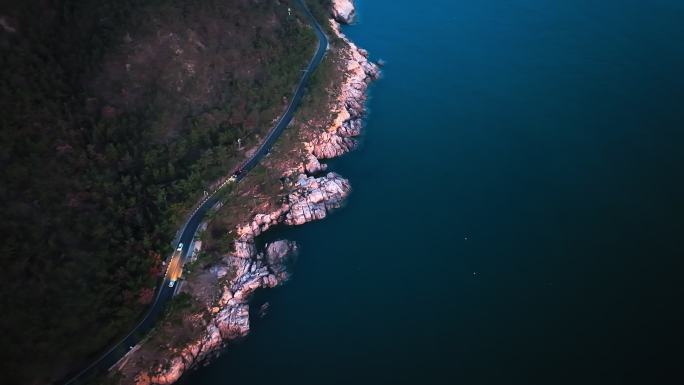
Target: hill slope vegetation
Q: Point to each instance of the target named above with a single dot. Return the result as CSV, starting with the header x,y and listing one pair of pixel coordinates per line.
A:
x,y
115,115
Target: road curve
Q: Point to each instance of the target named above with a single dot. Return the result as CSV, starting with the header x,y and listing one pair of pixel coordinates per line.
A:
x,y
165,293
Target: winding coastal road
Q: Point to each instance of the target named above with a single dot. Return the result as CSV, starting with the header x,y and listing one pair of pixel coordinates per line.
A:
x,y
187,232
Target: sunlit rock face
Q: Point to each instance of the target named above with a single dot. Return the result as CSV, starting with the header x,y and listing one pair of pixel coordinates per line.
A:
x,y
343,11
315,197
349,107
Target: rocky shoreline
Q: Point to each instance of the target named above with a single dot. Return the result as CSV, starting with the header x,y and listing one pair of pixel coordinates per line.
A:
x,y
309,196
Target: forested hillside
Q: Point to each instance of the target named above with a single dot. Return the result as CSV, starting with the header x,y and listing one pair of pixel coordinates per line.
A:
x,y
115,115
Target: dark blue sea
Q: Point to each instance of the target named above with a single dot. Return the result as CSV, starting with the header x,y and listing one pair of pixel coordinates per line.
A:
x,y
518,207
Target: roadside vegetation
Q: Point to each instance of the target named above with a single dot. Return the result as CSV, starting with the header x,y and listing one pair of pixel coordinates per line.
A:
x,y
115,115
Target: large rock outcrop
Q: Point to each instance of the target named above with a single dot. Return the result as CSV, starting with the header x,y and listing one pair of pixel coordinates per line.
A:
x,y
343,11
309,199
313,166
279,256
315,197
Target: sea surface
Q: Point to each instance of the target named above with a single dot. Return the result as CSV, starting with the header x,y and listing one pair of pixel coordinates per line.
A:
x,y
518,207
